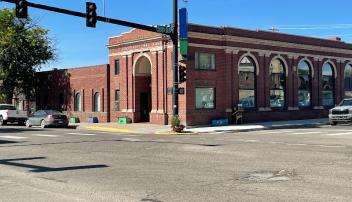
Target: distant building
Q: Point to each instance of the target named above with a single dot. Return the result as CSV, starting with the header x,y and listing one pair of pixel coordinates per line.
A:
x,y
273,76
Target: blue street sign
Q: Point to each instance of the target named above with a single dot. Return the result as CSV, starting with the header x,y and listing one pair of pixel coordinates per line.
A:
x,y
183,23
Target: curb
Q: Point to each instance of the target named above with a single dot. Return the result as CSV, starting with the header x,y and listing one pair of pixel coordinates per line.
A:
x,y
174,133
98,128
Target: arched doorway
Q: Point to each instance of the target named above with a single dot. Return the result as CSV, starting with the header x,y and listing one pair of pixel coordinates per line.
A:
x,y
142,76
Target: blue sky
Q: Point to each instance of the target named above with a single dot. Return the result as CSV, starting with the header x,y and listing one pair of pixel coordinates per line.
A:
x,y
80,46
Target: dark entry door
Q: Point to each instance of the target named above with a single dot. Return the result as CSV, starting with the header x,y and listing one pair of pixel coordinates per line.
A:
x,y
145,107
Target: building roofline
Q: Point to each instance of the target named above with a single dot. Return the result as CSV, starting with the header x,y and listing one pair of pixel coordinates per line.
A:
x,y
326,42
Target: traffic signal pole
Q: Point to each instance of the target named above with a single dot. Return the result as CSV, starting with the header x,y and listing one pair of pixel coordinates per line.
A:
x,y
175,103
173,35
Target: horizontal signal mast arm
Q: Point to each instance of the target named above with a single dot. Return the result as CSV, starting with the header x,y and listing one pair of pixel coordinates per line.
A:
x,y
83,15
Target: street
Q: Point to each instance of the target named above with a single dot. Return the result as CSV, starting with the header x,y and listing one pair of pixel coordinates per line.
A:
x,y
304,164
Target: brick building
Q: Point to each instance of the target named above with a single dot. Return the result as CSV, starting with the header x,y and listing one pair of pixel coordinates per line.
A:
x,y
273,76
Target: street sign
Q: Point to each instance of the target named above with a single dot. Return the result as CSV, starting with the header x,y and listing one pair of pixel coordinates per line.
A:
x,y
164,29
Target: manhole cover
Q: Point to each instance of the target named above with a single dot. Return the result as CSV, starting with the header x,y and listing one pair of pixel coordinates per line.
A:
x,y
260,176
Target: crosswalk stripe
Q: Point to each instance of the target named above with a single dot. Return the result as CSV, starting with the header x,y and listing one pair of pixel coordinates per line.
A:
x,y
12,137
44,135
337,134
304,133
277,132
82,134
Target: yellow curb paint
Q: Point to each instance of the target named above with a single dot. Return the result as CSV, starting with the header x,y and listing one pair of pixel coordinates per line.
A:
x,y
113,130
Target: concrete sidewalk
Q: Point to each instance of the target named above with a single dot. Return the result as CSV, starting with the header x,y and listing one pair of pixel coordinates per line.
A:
x,y
262,126
146,128
134,128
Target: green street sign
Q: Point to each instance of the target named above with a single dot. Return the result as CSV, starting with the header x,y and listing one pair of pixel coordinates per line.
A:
x,y
164,29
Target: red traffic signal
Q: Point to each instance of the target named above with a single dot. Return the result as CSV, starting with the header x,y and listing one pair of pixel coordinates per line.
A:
x,y
91,14
21,9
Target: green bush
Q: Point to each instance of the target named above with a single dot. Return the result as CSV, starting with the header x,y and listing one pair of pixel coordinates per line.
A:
x,y
175,121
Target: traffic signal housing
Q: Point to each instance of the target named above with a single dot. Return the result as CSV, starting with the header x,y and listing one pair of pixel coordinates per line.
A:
x,y
21,9
91,14
182,76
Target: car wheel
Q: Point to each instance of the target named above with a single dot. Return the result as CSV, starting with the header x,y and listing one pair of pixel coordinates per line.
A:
x,y
2,121
43,124
28,124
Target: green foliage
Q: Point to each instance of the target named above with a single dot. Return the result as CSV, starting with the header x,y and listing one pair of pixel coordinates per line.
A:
x,y
175,121
24,46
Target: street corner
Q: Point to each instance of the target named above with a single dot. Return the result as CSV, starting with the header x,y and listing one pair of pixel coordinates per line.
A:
x,y
116,130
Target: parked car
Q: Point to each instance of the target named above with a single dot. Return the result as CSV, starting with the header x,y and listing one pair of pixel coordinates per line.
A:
x,y
9,114
342,113
46,118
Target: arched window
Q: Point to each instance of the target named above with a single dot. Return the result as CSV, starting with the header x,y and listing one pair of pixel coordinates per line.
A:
x,y
328,85
348,81
78,103
278,83
96,102
304,84
247,81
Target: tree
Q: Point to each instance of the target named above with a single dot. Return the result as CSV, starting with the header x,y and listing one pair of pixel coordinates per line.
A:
x,y
24,47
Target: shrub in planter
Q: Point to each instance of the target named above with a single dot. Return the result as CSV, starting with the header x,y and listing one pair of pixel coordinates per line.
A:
x,y
176,124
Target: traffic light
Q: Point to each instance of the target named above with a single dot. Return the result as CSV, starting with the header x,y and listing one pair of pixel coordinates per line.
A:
x,y
91,15
21,9
182,74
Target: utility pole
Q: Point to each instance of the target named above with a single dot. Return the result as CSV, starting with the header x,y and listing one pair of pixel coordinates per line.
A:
x,y
175,103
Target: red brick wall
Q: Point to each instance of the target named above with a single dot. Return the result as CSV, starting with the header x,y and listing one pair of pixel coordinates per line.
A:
x,y
85,80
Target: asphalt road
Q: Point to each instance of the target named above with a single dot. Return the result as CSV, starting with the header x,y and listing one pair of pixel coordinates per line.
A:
x,y
308,164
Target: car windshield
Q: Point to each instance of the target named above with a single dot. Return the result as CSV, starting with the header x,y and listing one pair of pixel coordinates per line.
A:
x,y
52,112
7,107
346,103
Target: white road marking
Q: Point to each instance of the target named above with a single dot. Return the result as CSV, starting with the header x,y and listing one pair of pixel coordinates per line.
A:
x,y
44,135
305,133
131,139
13,137
278,132
82,134
337,134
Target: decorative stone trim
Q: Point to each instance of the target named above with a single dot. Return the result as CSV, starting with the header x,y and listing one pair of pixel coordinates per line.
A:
x,y
228,110
265,42
290,54
264,109
318,107
292,108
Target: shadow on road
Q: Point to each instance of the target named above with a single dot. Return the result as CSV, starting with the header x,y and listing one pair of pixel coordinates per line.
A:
x,y
42,169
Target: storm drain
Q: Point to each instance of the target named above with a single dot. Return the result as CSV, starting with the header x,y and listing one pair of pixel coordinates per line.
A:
x,y
262,176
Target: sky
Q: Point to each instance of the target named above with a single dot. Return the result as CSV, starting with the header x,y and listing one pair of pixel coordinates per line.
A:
x,y
79,46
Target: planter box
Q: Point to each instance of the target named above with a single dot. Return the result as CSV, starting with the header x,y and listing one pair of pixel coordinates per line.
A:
x,y
124,120
93,120
74,120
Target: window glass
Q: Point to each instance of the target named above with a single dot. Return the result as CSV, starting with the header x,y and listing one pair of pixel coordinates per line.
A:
x,y
97,102
117,67
304,84
278,83
78,105
328,85
117,100
247,81
205,61
205,98
348,81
